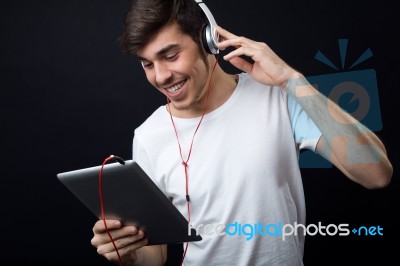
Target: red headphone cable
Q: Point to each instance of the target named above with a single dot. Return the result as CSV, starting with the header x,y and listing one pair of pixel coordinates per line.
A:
x,y
185,162
108,159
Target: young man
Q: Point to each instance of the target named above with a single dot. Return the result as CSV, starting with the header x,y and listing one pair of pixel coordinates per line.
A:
x,y
225,147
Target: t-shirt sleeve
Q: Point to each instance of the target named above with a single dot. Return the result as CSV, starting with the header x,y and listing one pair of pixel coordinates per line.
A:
x,y
305,132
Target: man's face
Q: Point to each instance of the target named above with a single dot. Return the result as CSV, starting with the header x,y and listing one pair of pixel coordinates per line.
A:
x,y
173,64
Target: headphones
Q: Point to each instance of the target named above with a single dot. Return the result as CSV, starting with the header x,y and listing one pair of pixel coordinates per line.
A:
x,y
209,35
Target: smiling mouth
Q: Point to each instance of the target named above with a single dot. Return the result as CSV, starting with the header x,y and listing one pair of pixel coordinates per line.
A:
x,y
175,89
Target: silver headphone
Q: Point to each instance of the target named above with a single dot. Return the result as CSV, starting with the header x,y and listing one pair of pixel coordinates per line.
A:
x,y
209,34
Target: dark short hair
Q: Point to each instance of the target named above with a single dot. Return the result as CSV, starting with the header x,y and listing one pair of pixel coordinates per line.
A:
x,y
146,17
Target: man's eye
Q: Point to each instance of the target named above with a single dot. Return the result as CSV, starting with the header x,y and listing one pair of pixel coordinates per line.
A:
x,y
171,57
147,65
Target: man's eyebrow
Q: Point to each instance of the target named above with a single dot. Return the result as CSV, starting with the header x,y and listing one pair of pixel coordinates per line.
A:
x,y
162,52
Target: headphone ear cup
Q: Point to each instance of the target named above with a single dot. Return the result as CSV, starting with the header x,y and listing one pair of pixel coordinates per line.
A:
x,y
209,34
204,38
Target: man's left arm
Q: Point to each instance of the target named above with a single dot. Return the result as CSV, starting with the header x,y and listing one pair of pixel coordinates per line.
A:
x,y
347,143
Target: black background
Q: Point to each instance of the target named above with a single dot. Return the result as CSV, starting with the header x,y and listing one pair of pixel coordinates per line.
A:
x,y
70,97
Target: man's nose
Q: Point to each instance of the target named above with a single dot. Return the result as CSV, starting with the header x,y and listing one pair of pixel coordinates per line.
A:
x,y
163,73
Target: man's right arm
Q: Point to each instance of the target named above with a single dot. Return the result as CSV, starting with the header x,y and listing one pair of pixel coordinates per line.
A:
x,y
151,255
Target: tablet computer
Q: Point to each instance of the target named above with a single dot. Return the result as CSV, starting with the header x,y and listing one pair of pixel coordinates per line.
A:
x,y
129,195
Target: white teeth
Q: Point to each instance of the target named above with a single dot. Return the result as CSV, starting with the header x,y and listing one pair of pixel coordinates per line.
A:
x,y
175,88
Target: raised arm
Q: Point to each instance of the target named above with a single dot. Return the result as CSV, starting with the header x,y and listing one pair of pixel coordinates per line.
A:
x,y
348,144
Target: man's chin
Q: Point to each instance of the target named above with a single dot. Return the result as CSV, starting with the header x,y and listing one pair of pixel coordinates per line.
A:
x,y
181,107
186,108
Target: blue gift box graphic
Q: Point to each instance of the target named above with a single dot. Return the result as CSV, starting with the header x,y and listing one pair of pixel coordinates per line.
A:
x,y
354,91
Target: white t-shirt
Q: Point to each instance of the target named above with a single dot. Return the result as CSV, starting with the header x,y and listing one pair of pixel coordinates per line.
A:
x,y
243,172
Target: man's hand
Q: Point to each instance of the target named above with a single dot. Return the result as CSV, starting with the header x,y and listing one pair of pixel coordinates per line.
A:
x,y
128,239
267,68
